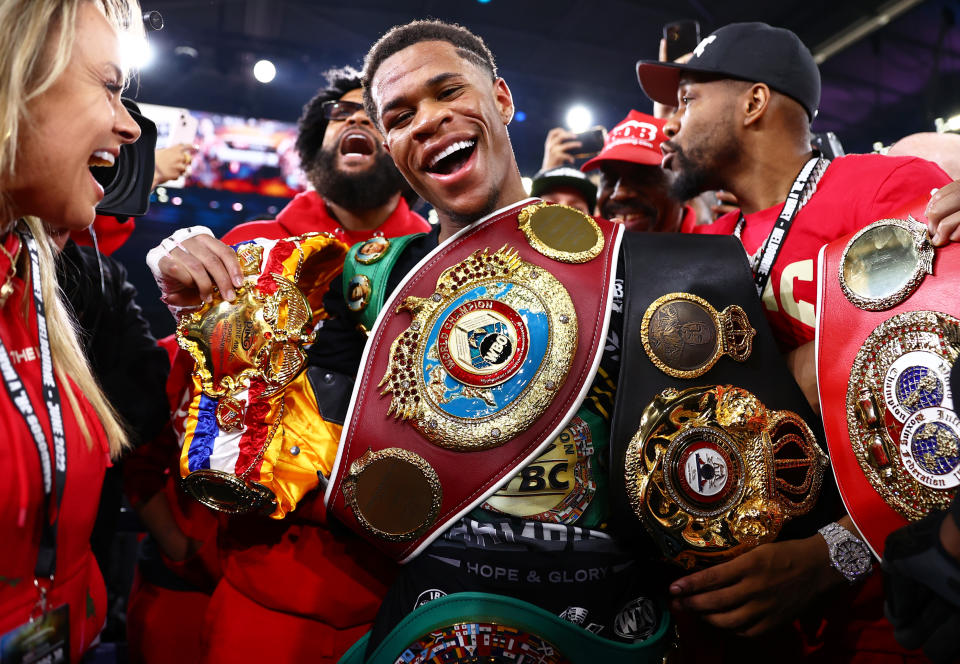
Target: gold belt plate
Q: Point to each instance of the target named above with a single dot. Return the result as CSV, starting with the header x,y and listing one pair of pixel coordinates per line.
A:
x,y
484,354
684,336
712,472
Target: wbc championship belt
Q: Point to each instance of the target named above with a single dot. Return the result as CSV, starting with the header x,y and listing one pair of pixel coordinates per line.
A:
x,y
252,439
888,334
476,363
715,444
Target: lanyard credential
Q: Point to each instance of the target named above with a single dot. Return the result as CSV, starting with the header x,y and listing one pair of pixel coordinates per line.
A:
x,y
54,469
774,242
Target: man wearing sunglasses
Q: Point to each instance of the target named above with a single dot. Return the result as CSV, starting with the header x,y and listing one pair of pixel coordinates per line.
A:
x,y
356,192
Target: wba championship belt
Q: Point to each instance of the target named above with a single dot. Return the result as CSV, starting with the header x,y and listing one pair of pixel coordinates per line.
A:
x,y
477,362
714,442
252,438
888,334
713,473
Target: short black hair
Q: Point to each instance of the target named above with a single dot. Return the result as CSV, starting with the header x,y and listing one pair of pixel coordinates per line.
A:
x,y
468,45
312,125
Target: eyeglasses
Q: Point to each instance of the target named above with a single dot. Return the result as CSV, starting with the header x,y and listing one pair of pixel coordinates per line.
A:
x,y
340,110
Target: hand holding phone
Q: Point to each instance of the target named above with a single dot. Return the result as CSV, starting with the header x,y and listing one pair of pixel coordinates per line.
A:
x,y
564,147
681,38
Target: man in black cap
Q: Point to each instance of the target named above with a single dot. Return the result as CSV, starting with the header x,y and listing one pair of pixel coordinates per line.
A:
x,y
745,101
566,186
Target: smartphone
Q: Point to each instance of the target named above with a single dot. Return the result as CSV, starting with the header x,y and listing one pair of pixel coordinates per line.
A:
x,y
682,37
183,129
591,142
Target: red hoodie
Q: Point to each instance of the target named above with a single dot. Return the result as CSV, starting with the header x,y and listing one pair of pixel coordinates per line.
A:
x,y
307,213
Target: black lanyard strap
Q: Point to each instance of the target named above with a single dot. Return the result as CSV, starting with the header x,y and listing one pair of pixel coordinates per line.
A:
x,y
774,242
54,468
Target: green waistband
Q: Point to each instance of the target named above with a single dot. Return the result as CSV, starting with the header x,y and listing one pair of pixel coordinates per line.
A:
x,y
375,271
572,643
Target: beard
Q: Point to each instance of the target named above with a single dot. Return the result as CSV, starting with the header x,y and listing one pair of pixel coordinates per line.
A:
x,y
366,190
699,168
691,177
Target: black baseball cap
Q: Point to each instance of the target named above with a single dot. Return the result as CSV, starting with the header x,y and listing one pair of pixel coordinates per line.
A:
x,y
747,51
564,176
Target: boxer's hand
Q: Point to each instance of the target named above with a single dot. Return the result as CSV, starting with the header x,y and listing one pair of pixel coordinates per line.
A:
x,y
765,587
943,214
188,270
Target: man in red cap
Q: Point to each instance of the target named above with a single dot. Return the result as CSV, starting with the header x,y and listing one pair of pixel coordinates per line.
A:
x,y
634,190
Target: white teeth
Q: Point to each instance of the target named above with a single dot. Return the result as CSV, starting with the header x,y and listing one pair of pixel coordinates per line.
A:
x,y
101,158
450,149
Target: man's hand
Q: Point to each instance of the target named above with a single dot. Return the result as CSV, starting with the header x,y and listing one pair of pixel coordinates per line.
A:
x,y
172,162
802,362
189,270
943,214
725,202
558,148
765,587
157,516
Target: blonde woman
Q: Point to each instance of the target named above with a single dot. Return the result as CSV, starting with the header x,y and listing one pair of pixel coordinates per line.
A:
x,y
60,112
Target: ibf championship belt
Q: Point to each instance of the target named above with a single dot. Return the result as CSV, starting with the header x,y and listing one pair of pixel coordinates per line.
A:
x,y
713,439
476,363
888,334
253,440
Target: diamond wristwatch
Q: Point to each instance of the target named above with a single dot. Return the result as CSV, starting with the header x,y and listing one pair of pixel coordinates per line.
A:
x,y
848,554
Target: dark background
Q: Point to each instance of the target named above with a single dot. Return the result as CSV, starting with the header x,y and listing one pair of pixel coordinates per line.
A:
x,y
553,53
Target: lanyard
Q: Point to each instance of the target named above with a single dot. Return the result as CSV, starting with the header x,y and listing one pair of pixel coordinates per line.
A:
x,y
54,468
774,241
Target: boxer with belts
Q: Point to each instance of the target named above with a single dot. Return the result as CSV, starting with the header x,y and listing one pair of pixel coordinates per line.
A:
x,y
447,135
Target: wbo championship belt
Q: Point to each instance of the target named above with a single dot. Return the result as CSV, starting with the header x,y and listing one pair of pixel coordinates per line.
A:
x,y
713,439
475,365
253,440
888,334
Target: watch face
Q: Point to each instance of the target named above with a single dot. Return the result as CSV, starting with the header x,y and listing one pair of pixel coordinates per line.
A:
x,y
852,558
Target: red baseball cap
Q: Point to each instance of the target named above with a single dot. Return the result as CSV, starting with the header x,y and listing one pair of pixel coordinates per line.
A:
x,y
636,139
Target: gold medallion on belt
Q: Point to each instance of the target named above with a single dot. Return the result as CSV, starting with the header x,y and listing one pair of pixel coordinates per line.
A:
x,y
712,472
684,336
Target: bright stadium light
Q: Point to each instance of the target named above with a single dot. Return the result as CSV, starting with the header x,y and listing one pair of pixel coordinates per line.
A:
x,y
135,51
579,118
264,71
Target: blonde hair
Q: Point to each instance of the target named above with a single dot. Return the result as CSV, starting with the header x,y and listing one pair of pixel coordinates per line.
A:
x,y
36,45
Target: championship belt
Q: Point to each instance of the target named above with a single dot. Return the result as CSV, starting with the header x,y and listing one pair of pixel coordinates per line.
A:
x,y
477,362
888,334
365,273
480,627
252,438
714,441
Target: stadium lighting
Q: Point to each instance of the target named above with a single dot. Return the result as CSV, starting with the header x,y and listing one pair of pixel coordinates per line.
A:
x,y
264,71
579,118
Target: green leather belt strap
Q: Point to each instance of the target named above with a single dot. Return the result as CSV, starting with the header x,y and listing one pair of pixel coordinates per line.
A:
x,y
365,273
571,643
